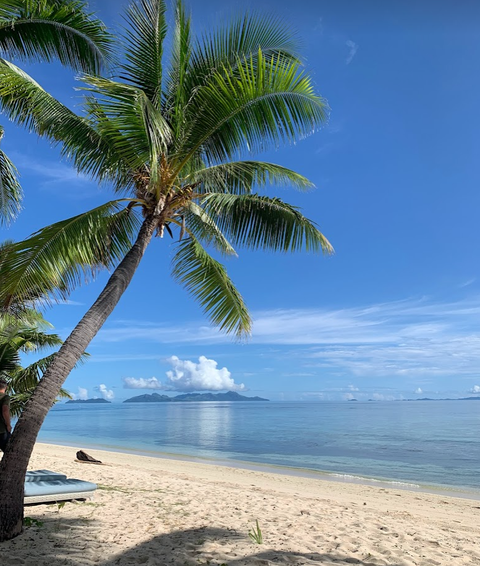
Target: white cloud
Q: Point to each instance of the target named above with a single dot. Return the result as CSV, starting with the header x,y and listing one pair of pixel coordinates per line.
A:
x,y
52,176
326,147
141,383
189,376
319,27
409,338
52,172
467,283
353,388
107,394
475,389
81,395
204,375
310,396
418,391
384,397
353,50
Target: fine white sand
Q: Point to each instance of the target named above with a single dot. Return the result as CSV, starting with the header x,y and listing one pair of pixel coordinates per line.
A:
x,y
156,511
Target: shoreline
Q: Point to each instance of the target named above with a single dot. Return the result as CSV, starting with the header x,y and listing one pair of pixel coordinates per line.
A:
x,y
320,475
159,511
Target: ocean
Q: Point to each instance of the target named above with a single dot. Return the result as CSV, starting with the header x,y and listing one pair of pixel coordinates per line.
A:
x,y
417,444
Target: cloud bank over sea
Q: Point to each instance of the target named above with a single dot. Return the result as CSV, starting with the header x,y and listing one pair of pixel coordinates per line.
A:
x,y
186,376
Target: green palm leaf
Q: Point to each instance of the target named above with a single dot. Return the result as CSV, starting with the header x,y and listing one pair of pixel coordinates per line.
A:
x,y
127,121
25,102
243,37
241,177
202,226
144,48
10,190
207,280
45,30
23,381
23,335
178,92
55,259
259,103
255,221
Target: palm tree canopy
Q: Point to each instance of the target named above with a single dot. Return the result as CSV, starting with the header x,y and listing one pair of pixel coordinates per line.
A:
x,y
175,132
46,30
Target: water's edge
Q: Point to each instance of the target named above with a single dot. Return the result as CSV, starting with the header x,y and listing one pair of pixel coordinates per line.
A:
x,y
384,483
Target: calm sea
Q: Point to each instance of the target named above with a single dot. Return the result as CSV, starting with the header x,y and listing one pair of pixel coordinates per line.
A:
x,y
424,443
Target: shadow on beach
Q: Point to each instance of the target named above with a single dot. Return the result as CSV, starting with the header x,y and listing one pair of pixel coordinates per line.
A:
x,y
67,542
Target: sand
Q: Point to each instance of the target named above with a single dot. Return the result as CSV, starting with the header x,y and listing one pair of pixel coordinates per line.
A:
x,y
156,511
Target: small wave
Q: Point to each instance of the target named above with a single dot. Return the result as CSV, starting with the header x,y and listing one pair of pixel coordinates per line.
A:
x,y
372,480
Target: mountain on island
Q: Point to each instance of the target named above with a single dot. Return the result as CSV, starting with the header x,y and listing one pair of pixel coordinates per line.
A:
x,y
88,401
156,398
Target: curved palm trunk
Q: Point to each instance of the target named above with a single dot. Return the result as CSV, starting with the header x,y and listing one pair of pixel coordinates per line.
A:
x,y
15,460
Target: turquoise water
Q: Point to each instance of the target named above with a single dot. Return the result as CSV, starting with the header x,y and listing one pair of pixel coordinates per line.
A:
x,y
419,442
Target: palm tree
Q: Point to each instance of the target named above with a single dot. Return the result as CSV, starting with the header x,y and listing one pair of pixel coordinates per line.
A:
x,y
22,335
167,136
44,30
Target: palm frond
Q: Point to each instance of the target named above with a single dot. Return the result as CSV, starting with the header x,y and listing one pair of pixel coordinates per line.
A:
x,y
207,281
18,336
129,123
249,108
243,37
202,226
10,189
24,318
9,355
261,222
147,28
241,177
55,259
55,29
23,381
177,89
25,102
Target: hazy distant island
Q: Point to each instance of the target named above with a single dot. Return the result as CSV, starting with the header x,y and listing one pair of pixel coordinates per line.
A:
x,y
156,398
448,399
88,401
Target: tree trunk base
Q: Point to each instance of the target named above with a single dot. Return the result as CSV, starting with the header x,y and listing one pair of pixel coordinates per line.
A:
x,y
11,515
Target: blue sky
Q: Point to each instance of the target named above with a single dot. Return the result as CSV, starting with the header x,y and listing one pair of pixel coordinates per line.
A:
x,y
395,312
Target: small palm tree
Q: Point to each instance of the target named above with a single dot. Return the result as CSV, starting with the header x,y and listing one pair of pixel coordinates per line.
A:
x,y
23,335
167,136
45,30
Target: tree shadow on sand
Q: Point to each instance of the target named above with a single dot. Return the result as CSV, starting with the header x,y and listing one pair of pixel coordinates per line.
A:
x,y
66,542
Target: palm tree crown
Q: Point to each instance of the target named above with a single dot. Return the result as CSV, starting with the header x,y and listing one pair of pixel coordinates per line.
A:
x,y
167,134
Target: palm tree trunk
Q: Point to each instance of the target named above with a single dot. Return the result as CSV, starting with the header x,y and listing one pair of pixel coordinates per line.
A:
x,y
17,455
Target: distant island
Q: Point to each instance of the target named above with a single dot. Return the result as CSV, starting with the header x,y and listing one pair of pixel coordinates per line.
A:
x,y
156,398
430,399
448,399
88,401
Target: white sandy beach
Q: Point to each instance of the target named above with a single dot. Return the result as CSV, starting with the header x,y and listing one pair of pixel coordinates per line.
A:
x,y
156,511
